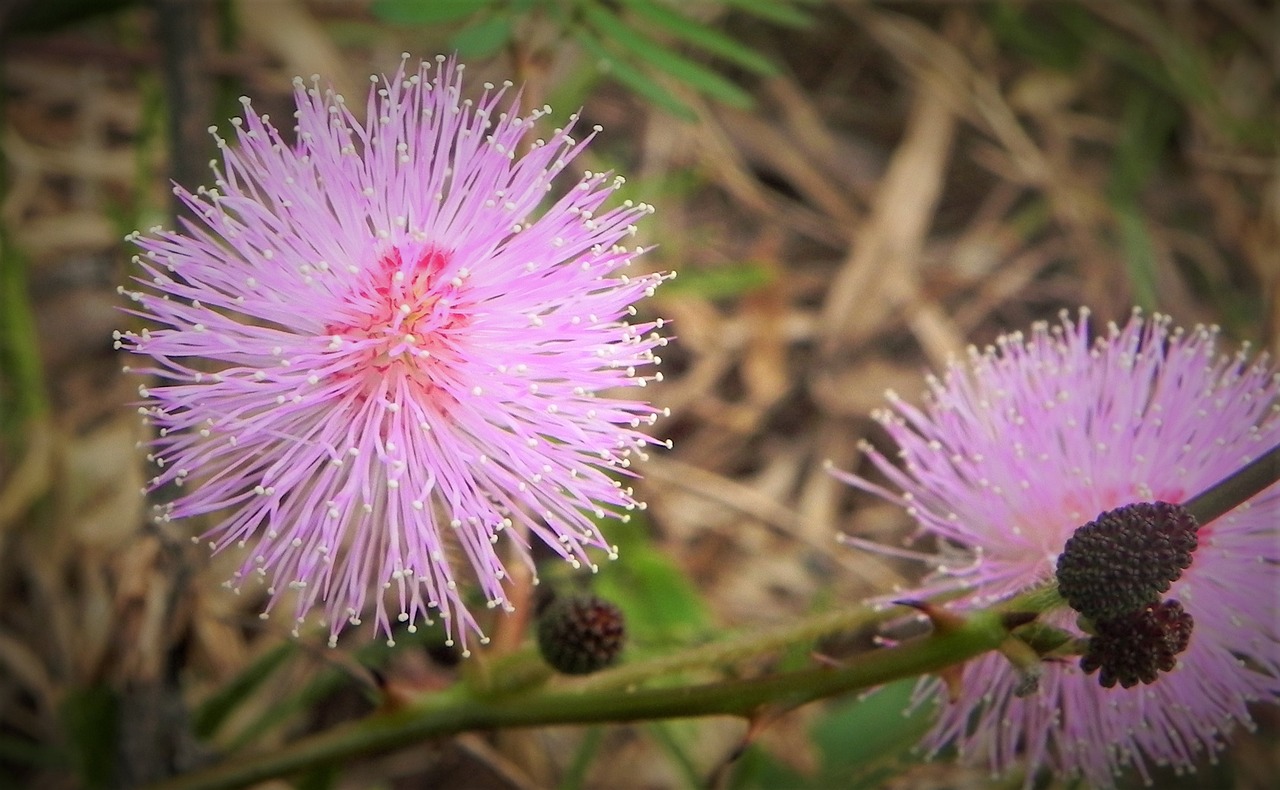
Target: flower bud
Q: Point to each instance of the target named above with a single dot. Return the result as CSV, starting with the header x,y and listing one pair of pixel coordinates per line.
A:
x,y
580,634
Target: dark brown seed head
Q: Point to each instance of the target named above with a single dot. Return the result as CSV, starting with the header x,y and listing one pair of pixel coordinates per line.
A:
x,y
1137,647
1126,558
579,634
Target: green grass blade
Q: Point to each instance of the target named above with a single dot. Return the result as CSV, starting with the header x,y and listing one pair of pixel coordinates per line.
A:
x,y
663,734
215,710
1138,251
325,683
632,78
575,776
702,37
1056,46
778,12
1150,120
22,392
646,49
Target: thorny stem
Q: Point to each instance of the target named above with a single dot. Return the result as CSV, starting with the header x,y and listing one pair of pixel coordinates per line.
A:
x,y
459,709
735,649
615,696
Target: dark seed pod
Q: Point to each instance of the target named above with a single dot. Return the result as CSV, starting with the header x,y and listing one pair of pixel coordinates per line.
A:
x,y
1137,647
1126,558
580,634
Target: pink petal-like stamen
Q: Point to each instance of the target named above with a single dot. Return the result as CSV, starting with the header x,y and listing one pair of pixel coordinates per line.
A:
x,y
400,360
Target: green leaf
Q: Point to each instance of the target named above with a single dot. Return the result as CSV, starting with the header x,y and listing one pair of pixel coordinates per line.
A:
x,y
424,12
215,710
701,36
861,740
90,719
634,79
659,602
700,77
722,282
775,11
757,769
483,39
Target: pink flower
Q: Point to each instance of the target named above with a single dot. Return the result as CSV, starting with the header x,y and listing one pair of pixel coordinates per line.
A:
x,y
401,361
1035,437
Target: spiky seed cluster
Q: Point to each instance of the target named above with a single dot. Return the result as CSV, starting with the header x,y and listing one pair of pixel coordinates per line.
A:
x,y
1126,558
376,352
580,634
1136,647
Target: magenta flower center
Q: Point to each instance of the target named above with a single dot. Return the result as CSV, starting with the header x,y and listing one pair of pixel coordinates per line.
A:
x,y
404,320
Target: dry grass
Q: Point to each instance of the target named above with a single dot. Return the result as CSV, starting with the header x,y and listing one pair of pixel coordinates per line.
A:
x,y
918,178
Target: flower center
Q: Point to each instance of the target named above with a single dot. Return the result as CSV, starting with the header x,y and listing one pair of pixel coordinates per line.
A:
x,y
403,319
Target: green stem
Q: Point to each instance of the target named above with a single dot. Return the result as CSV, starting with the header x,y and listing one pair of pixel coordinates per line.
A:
x,y
1238,487
524,669
458,710
737,648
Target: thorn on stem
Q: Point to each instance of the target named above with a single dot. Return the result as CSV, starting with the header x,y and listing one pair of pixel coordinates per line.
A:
x,y
391,695
825,660
757,720
942,620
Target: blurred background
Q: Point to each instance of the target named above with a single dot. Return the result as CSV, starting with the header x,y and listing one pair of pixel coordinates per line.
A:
x,y
851,192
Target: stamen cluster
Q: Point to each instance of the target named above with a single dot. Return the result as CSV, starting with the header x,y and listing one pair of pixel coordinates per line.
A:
x,y
387,344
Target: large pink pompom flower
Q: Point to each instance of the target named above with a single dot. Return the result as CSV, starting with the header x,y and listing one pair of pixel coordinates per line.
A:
x,y
1033,438
402,360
